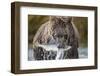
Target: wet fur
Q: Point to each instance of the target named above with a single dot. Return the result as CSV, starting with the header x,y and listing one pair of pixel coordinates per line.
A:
x,y
60,26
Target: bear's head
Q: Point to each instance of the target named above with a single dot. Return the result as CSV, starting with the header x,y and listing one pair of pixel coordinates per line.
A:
x,y
60,30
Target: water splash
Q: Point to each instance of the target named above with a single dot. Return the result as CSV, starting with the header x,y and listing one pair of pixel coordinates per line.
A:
x,y
60,51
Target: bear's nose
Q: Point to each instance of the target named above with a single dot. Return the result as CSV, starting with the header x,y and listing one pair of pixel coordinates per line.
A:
x,y
60,39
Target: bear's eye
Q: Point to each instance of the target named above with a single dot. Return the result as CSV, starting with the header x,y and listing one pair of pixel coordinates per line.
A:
x,y
59,36
65,36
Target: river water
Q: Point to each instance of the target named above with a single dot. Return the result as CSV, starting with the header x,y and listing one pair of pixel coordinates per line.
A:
x,y
83,53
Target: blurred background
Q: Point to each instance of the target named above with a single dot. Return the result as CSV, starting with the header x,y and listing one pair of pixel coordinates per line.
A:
x,y
81,23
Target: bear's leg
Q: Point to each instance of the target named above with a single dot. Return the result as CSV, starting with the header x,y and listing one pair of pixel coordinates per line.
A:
x,y
71,54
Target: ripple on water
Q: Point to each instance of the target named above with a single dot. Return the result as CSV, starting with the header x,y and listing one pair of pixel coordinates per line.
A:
x,y
83,52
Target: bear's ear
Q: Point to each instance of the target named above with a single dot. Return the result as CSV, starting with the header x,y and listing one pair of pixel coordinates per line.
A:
x,y
52,18
66,19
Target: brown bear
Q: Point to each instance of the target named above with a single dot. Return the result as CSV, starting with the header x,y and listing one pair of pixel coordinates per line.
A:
x,y
61,31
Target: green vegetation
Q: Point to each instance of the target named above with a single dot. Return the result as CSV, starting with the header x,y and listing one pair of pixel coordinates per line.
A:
x,y
82,26
34,22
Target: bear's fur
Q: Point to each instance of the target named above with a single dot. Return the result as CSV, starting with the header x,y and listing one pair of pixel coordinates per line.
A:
x,y
58,30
